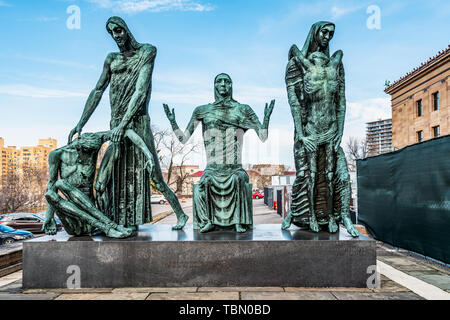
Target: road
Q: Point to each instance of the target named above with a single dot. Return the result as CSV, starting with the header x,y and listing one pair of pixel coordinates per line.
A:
x,y
261,213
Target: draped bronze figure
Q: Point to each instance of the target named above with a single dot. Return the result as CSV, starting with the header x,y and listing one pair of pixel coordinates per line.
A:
x,y
222,198
125,190
316,93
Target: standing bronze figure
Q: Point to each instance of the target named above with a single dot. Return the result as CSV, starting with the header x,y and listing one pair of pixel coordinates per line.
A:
x,y
316,93
125,190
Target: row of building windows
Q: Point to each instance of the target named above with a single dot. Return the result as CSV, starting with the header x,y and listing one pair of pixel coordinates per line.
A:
x,y
435,104
436,133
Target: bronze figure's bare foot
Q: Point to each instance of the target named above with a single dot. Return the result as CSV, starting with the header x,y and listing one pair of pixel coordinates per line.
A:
x,y
113,233
287,222
313,225
208,227
181,222
240,228
349,226
124,230
96,232
332,226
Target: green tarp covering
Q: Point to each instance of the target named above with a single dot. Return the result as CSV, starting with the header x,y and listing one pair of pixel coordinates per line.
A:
x,y
404,197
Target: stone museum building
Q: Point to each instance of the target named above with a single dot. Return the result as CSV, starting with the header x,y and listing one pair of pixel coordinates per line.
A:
x,y
379,137
420,102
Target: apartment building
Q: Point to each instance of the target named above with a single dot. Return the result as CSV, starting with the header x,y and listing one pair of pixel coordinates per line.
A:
x,y
379,137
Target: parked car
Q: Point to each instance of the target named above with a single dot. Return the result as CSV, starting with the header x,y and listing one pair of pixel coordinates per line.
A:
x,y
257,194
9,235
25,221
158,198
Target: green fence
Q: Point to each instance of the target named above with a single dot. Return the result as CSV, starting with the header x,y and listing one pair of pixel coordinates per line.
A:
x,y
404,197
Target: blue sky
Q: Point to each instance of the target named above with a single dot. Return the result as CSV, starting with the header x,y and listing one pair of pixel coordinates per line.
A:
x,y
47,70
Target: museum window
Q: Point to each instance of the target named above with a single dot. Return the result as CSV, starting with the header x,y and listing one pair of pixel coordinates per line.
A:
x,y
419,108
436,101
436,131
419,136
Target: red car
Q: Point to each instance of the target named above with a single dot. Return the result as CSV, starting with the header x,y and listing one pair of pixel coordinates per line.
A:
x,y
257,195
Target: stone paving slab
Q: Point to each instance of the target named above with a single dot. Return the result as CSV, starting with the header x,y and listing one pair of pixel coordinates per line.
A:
x,y
69,291
13,287
155,290
78,296
240,289
194,296
390,286
13,296
287,295
10,278
304,289
103,296
376,296
404,264
438,279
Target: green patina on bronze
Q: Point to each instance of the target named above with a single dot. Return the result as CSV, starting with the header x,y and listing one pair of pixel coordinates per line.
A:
x,y
316,93
72,171
223,198
123,184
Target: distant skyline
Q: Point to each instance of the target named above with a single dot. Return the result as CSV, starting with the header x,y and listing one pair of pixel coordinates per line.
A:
x,y
48,69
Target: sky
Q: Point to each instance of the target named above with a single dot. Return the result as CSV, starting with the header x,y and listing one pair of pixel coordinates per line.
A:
x,y
49,63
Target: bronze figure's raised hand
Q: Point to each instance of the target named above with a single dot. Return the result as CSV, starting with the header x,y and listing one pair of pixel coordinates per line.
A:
x,y
269,109
170,115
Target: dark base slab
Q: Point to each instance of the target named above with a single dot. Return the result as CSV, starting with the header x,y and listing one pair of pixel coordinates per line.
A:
x,y
160,257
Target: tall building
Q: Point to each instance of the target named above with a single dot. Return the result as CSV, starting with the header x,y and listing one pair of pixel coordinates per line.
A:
x,y
31,157
9,160
379,137
37,156
420,102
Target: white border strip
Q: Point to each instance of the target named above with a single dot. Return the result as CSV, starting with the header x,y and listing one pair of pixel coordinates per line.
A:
x,y
417,286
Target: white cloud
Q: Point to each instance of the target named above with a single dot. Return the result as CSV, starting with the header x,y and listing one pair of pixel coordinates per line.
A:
x,y
23,90
5,4
136,6
337,12
369,109
39,19
363,111
58,62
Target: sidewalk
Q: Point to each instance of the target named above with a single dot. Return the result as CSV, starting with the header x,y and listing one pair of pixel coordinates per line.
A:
x,y
403,277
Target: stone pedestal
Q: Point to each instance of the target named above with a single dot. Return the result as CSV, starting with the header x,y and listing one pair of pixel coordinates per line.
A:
x,y
160,257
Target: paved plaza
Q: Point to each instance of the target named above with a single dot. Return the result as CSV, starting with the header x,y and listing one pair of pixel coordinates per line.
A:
x,y
404,276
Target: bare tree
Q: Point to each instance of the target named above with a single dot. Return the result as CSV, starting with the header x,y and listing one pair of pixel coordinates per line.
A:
x,y
23,189
356,149
173,157
13,195
177,155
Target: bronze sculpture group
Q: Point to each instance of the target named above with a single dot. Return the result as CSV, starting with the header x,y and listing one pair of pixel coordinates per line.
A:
x,y
115,199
